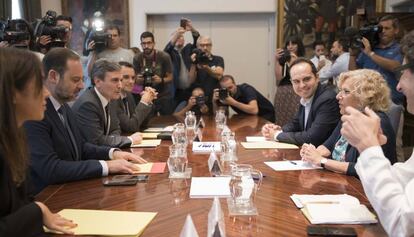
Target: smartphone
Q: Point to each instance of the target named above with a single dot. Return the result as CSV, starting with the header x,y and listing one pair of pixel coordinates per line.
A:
x,y
143,177
127,182
183,22
331,231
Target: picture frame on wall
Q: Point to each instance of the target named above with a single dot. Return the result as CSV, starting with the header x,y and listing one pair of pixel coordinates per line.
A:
x,y
114,12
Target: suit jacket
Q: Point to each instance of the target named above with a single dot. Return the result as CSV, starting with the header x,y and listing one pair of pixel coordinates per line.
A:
x,y
91,119
352,153
322,119
19,215
138,114
53,157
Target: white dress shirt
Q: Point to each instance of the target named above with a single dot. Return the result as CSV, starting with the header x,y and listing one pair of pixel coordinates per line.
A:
x,y
390,189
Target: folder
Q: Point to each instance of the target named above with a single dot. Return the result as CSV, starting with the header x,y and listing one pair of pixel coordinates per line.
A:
x,y
150,135
147,143
107,223
151,168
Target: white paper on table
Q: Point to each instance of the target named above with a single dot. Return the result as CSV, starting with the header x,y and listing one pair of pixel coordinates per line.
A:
x,y
268,145
338,214
301,200
209,187
291,165
255,139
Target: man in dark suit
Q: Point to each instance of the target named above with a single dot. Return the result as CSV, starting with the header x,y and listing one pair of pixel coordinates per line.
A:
x,y
58,152
96,112
131,115
318,113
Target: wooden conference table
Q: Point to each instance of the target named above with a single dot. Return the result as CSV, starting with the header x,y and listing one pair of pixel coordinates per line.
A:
x,y
278,216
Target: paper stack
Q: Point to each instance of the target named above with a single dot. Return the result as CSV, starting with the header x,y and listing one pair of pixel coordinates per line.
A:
x,y
147,143
333,209
209,187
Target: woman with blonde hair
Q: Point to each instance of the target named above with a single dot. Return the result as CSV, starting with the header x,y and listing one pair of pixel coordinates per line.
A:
x,y
358,89
22,98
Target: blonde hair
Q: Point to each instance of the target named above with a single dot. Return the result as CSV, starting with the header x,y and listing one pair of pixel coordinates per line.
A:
x,y
369,87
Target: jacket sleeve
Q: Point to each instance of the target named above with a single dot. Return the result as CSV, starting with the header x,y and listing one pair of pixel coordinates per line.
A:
x,y
132,124
25,221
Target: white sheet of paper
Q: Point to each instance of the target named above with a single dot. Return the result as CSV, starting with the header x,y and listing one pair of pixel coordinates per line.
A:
x,y
148,143
268,145
291,165
209,187
301,200
206,147
338,214
255,139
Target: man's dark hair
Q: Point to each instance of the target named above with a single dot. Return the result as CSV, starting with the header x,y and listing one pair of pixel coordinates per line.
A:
x,y
101,67
227,77
344,43
147,34
395,21
126,64
57,59
307,61
113,27
318,42
407,48
64,18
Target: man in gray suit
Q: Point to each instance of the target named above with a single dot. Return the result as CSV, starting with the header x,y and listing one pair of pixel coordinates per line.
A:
x,y
96,113
132,116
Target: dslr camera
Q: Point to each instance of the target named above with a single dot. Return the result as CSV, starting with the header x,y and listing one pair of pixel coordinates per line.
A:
x,y
15,32
285,57
223,93
47,26
200,101
201,57
147,74
370,32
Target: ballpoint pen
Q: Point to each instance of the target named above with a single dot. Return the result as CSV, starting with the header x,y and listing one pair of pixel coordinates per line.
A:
x,y
292,162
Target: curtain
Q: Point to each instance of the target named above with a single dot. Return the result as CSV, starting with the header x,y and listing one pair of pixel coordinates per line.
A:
x,y
31,9
5,9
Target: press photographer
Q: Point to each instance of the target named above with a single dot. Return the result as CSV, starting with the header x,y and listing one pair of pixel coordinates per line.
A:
x,y
380,51
154,69
196,103
53,31
243,98
207,69
16,33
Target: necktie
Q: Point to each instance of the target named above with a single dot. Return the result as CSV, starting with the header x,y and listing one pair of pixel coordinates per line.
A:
x,y
126,108
107,120
64,118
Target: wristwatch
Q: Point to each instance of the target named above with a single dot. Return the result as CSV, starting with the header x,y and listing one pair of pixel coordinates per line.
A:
x,y
323,162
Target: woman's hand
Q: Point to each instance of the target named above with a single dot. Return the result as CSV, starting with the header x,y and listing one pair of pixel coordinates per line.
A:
x,y
54,221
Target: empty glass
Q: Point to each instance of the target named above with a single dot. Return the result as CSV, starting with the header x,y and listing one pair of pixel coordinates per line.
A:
x,y
220,119
177,161
179,135
190,126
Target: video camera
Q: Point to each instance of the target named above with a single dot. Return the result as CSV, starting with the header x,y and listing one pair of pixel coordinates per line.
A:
x,y
201,57
99,36
147,73
370,32
47,26
15,32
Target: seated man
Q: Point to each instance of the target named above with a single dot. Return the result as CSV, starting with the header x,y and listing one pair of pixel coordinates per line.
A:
x,y
58,152
243,98
96,114
339,52
196,103
318,113
132,116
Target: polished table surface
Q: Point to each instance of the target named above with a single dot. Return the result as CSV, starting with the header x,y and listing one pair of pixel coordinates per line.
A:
x,y
278,216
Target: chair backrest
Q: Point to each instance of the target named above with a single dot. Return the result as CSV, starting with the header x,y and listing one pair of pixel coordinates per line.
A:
x,y
394,114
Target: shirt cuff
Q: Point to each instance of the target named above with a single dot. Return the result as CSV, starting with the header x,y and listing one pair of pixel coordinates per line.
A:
x,y
368,153
130,139
111,153
105,169
277,134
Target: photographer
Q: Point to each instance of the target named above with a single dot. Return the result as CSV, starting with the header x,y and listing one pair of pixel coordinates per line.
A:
x,y
383,57
154,69
340,55
112,50
61,21
180,58
243,98
207,69
196,103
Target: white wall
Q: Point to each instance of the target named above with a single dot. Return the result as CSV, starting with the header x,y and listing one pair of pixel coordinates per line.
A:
x,y
55,5
389,3
139,9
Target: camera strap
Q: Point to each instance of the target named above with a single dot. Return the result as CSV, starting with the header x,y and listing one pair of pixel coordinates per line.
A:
x,y
154,59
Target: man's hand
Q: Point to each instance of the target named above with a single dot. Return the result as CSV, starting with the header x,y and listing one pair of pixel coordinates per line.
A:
x,y
136,138
156,79
269,130
45,40
129,157
91,46
148,95
121,166
228,101
362,130
367,46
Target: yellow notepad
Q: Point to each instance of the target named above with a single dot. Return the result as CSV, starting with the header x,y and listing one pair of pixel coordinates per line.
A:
x,y
107,223
150,135
148,143
268,145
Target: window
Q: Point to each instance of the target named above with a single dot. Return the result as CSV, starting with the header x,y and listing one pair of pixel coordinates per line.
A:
x,y
16,10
